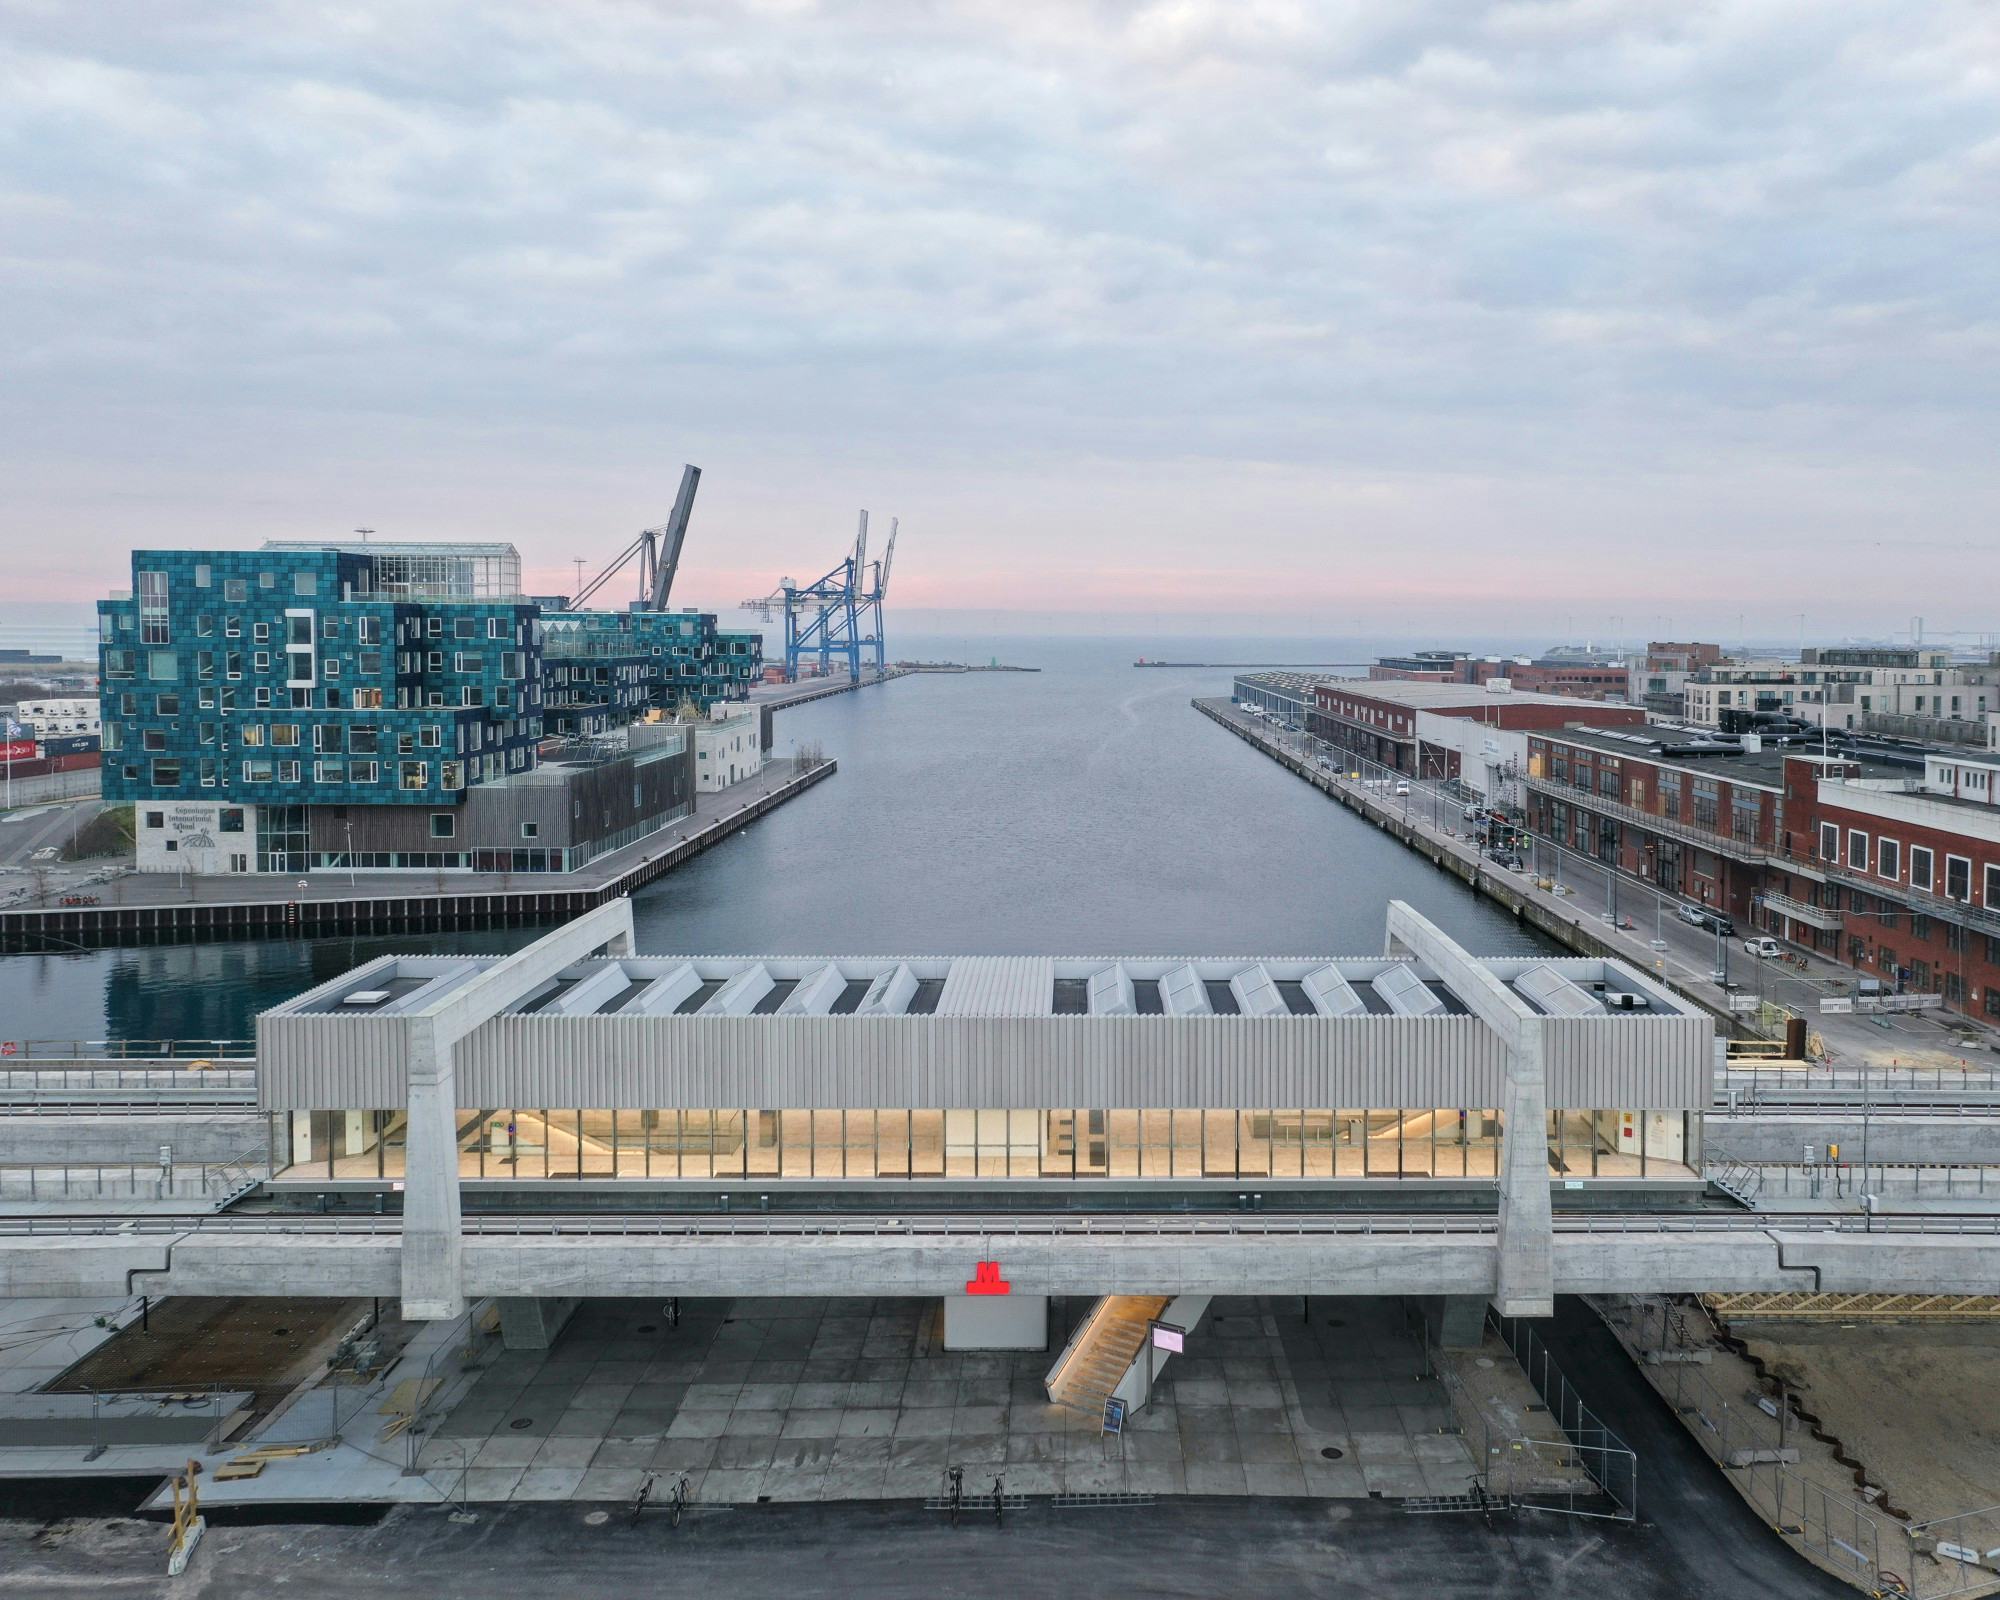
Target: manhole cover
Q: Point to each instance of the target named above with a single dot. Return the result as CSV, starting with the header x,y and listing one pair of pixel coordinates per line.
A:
x,y
1331,1452
521,1422
597,1519
647,1327
1483,1361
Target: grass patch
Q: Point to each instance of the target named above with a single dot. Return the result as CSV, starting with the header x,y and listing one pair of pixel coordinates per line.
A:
x,y
109,833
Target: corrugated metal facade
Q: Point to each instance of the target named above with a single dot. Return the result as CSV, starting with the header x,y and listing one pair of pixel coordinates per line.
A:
x,y
998,986
323,1063
991,1043
1655,1063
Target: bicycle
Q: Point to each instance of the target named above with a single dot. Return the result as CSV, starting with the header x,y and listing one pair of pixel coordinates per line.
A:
x,y
999,1505
679,1502
957,1494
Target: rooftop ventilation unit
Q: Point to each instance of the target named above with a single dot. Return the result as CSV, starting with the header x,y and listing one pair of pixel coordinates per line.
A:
x,y
1406,994
889,995
365,997
663,996
1332,994
740,995
1256,994
1555,994
1182,994
1111,993
815,995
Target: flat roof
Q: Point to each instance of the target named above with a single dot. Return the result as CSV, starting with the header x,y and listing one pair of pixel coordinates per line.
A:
x,y
399,547
1422,696
1683,748
1220,987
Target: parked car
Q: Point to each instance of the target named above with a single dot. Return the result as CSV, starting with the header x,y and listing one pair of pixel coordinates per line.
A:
x,y
1765,948
1706,918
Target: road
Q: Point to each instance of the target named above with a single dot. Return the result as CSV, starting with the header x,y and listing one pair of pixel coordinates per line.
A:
x,y
31,840
1701,1542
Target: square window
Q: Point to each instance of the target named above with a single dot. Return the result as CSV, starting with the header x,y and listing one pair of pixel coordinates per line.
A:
x,y
531,830
156,819
443,825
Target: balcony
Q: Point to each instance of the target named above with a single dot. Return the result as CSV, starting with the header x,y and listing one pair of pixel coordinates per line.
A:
x,y
1724,844
1828,919
1985,919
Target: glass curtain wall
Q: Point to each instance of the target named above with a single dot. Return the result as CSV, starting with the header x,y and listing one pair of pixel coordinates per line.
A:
x,y
982,1144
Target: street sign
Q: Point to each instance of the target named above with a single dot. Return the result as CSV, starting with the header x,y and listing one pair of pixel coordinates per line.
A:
x,y
1167,1337
1114,1415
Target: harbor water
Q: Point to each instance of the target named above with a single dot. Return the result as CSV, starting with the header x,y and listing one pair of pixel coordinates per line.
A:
x,y
1082,810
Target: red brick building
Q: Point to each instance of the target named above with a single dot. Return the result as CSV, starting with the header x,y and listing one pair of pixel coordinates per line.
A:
x,y
1899,877
1580,681
1392,722
1698,818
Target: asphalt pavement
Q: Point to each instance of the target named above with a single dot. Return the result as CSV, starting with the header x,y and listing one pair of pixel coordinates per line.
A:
x,y
28,831
1172,1547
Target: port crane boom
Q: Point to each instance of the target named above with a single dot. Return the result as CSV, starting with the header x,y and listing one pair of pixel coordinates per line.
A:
x,y
658,550
838,613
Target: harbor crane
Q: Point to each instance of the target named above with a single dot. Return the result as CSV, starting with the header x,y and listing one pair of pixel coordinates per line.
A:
x,y
837,614
658,550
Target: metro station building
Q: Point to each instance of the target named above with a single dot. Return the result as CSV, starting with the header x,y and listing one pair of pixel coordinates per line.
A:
x,y
576,1074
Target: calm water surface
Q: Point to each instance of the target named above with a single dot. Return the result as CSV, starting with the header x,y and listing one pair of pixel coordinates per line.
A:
x,y
1082,810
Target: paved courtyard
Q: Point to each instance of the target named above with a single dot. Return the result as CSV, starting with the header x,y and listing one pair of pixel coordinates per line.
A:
x,y
790,1400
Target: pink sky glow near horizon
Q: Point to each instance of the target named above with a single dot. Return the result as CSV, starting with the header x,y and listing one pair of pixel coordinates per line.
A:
x,y
1427,319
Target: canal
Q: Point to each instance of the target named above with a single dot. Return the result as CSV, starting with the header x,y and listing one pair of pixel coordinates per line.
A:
x,y
1085,809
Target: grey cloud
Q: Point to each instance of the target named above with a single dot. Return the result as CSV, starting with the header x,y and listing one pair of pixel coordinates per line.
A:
x,y
1520,240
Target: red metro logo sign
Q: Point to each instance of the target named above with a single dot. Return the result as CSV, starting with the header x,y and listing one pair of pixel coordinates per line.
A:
x,y
986,1279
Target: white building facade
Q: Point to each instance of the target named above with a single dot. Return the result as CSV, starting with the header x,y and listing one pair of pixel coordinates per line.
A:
x,y
726,751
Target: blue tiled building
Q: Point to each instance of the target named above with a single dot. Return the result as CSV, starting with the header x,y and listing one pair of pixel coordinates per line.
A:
x,y
309,706
602,668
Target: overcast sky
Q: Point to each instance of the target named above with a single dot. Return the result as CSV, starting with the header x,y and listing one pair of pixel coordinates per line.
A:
x,y
1368,318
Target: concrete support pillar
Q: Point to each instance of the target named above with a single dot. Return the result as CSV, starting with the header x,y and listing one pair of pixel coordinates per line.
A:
x,y
1457,1321
1525,1281
533,1323
433,1283
1527,1277
996,1322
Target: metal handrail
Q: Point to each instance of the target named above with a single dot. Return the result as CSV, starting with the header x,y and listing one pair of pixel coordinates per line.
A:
x,y
1388,1226
26,1050
1728,844
1926,902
